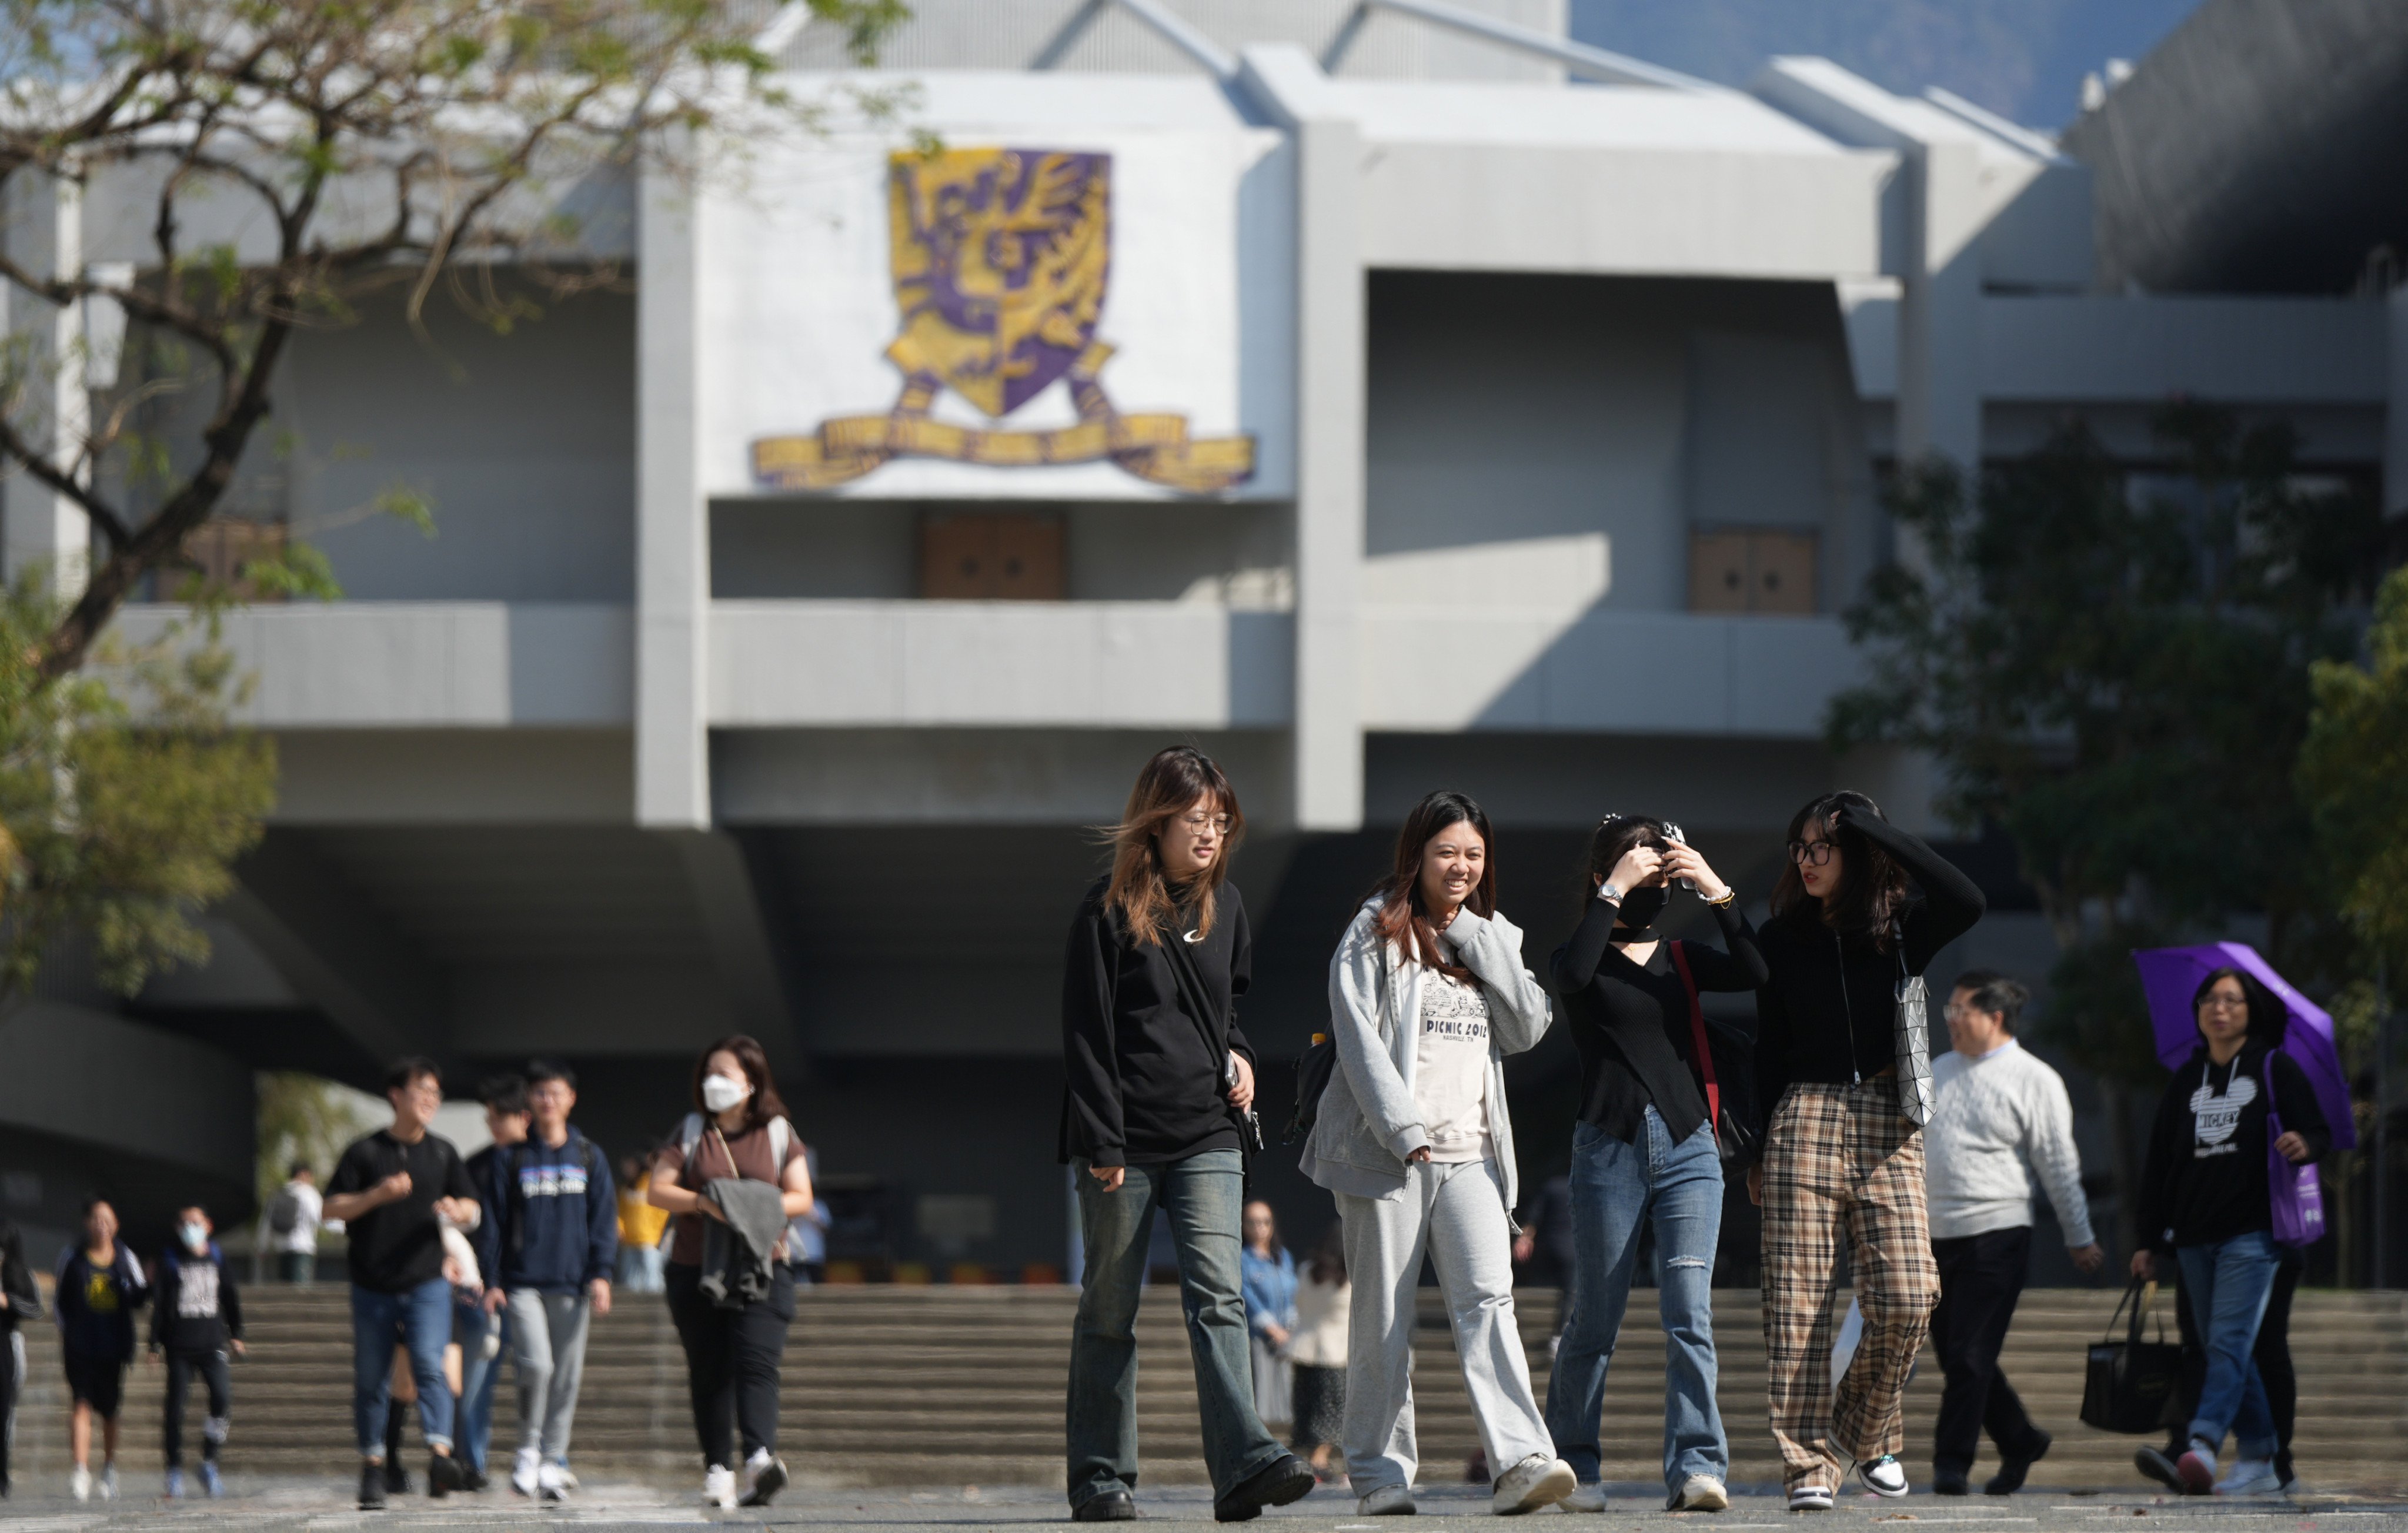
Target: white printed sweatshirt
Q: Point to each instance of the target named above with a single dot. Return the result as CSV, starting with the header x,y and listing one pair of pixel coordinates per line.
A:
x,y
1999,1122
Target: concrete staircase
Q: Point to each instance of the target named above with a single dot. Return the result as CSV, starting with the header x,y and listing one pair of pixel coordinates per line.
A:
x,y
900,1385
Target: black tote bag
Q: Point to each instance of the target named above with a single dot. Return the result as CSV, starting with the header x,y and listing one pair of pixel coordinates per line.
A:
x,y
2129,1384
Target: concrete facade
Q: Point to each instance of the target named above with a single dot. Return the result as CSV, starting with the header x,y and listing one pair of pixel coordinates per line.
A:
x,y
638,750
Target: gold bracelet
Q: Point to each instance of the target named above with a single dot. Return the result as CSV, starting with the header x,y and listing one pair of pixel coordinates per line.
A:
x,y
1729,893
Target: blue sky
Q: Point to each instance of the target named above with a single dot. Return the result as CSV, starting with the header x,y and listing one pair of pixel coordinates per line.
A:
x,y
2024,59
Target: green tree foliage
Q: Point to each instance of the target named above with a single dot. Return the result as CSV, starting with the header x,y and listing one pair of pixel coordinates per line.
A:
x,y
125,797
2114,672
302,1118
2355,773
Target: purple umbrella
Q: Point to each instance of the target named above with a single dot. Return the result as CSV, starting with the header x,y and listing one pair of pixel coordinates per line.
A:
x,y
2171,975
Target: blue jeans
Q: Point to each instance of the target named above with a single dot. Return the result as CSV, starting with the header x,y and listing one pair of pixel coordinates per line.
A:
x,y
2226,1285
1203,1197
418,1319
478,1374
1617,1190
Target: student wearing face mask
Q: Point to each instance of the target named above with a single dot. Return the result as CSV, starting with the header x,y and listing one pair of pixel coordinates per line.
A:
x,y
733,1175
1428,996
1644,1152
195,1321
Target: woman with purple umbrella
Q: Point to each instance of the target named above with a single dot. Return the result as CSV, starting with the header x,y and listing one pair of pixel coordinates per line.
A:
x,y
2205,1197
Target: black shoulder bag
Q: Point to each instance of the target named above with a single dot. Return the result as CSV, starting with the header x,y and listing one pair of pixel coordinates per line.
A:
x,y
1194,1001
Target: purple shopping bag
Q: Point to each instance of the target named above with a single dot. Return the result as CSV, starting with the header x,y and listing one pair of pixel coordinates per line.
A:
x,y
2297,1196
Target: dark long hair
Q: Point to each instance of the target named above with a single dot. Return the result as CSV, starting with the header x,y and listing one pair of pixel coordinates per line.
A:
x,y
2268,1021
1872,886
1403,919
1617,834
1167,788
765,1103
1327,1265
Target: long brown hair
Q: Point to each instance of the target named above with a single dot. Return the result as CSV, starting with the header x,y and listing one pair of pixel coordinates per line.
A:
x,y
1872,886
1403,916
1169,787
765,1103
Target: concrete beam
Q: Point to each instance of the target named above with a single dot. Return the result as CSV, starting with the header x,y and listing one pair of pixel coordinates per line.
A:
x,y
338,952
89,1077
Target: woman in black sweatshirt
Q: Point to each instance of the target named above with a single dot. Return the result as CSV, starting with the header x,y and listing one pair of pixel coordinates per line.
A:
x,y
1847,1085
1645,1152
2206,1196
1158,1075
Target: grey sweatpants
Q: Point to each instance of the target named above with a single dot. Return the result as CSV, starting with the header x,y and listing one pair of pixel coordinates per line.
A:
x,y
548,1344
1456,1214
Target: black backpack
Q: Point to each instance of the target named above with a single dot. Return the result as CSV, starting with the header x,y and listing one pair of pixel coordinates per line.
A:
x,y
284,1214
1312,1068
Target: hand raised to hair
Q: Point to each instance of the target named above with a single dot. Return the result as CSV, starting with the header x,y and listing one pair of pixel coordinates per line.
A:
x,y
1637,867
1684,862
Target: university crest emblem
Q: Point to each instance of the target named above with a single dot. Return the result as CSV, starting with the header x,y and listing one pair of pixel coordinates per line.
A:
x,y
1000,261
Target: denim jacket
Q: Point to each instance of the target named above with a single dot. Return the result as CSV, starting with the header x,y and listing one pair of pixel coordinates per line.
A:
x,y
1369,1123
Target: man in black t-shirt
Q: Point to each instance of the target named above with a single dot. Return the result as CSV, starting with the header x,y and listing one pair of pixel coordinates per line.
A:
x,y
388,1189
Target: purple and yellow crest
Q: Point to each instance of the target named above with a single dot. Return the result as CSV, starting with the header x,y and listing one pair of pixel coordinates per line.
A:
x,y
1001,258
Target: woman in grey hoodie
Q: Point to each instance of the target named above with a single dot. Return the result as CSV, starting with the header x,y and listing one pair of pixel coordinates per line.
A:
x,y
1428,995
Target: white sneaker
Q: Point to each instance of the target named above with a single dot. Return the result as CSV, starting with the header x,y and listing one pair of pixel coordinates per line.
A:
x,y
1386,1501
1700,1493
1811,1498
765,1476
527,1475
719,1488
552,1482
109,1482
79,1484
1883,1476
567,1477
1541,1479
1588,1497
2249,1477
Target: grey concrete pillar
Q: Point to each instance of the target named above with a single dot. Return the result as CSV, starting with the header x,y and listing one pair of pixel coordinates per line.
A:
x,y
672,522
1939,333
44,232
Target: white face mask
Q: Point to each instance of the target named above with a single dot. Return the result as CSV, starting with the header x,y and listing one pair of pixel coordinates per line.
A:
x,y
719,1092
197,1236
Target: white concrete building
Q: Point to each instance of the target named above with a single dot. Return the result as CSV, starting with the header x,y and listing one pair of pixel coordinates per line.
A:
x,y
1383,396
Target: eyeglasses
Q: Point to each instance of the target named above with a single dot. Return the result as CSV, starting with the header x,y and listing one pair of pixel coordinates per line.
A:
x,y
1199,823
2214,1003
1809,854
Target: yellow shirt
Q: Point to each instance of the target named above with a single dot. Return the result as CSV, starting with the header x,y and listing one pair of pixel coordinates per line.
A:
x,y
639,1222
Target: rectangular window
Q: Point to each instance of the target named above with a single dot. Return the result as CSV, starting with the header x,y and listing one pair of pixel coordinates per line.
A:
x,y
993,556
1752,569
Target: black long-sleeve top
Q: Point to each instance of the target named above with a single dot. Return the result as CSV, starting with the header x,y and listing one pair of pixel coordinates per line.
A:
x,y
16,1281
1829,1013
1142,1085
2204,1179
1631,1021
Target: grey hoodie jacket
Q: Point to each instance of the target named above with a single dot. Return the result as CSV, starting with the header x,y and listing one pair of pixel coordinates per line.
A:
x,y
1369,1124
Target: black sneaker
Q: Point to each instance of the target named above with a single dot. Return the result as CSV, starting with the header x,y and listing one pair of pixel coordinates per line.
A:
x,y
767,1485
444,1475
2011,1472
1111,1506
1950,1482
1284,1479
372,1479
2159,1464
396,1479
473,1479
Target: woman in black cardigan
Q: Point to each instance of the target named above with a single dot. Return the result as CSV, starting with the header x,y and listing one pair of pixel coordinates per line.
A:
x,y
1848,1088
1645,1154
1154,1064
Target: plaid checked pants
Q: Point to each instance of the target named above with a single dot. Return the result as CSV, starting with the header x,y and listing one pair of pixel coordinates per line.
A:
x,y
1841,1161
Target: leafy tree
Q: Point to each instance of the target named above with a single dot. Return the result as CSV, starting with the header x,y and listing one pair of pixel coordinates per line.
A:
x,y
294,156
2355,773
2113,671
125,797
302,1118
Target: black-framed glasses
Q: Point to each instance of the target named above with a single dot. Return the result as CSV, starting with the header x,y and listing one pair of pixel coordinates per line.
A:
x,y
1809,854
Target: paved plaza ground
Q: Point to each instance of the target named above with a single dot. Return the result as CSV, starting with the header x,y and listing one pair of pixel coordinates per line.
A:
x,y
297,1505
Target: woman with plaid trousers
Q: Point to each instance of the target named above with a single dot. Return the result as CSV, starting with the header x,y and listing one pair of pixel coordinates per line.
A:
x,y
1844,1066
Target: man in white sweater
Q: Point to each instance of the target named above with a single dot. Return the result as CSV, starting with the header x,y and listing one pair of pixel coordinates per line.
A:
x,y
1999,1117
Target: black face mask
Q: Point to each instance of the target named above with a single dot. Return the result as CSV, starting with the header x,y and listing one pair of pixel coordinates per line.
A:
x,y
1641,907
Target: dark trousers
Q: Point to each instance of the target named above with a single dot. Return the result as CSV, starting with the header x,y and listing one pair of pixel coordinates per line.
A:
x,y
11,1349
210,1368
732,1357
2272,1356
1981,1277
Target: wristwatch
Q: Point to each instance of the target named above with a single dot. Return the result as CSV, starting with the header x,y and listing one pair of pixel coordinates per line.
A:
x,y
1609,893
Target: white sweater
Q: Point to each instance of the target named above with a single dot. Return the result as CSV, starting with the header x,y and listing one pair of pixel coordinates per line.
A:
x,y
1995,1117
